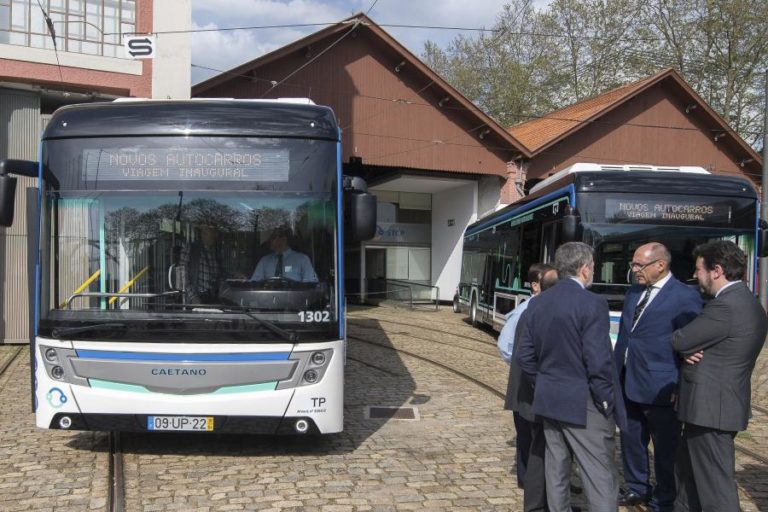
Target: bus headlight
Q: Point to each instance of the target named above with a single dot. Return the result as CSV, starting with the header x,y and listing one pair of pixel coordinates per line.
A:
x,y
318,358
51,355
310,376
57,372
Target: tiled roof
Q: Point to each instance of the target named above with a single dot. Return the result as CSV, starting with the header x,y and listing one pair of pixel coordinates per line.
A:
x,y
537,133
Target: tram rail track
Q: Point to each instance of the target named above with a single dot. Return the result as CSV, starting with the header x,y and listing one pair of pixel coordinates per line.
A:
x,y
442,331
9,361
115,475
762,458
493,354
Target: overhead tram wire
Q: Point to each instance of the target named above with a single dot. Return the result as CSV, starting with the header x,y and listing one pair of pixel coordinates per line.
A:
x,y
478,110
52,32
355,24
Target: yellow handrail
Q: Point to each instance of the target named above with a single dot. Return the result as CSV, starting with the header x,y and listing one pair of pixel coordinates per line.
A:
x,y
82,287
128,284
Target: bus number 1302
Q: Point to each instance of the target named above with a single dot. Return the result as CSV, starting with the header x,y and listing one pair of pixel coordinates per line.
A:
x,y
314,316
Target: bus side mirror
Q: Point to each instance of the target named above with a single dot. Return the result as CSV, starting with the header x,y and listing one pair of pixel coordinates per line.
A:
x,y
571,228
7,200
762,239
362,216
360,209
8,185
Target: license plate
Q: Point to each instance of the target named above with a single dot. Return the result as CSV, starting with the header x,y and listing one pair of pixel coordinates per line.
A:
x,y
183,423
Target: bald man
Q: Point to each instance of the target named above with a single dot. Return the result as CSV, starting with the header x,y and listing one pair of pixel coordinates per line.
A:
x,y
649,369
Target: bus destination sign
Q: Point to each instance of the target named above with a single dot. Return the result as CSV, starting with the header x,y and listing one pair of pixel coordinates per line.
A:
x,y
178,164
662,211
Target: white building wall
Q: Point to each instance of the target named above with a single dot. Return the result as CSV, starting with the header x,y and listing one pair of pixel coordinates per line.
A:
x,y
458,204
488,195
172,65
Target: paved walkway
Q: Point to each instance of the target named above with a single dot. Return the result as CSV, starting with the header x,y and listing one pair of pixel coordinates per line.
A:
x,y
455,456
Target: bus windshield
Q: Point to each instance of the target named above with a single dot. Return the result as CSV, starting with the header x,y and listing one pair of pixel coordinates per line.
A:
x,y
200,239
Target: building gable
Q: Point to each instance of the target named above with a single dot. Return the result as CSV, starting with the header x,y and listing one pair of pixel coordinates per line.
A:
x,y
393,110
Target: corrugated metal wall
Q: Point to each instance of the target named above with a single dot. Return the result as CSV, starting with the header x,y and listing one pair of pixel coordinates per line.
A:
x,y
20,126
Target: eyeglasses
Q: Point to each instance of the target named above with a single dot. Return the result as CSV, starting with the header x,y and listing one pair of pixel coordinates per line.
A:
x,y
640,266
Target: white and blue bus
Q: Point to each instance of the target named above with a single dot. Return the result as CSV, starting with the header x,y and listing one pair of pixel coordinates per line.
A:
x,y
127,191
614,209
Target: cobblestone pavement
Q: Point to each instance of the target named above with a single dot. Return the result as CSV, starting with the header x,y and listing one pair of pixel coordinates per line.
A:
x,y
456,456
44,470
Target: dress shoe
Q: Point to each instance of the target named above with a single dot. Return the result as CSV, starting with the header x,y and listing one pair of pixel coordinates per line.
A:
x,y
631,498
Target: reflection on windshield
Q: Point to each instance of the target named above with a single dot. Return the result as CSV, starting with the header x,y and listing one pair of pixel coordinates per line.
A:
x,y
194,254
616,243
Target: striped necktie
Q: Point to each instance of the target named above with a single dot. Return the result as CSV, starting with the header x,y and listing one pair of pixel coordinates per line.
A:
x,y
641,305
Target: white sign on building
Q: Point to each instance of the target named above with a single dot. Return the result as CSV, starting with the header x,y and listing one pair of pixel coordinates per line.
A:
x,y
139,47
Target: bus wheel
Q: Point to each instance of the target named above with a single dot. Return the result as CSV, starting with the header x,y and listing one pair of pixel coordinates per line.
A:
x,y
456,308
473,311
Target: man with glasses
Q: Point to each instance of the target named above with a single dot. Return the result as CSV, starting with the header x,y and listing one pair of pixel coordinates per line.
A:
x,y
654,308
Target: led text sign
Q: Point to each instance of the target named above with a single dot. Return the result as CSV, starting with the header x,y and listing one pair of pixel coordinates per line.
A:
x,y
644,210
202,164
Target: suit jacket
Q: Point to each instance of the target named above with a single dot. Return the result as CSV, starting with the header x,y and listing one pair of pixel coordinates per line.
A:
x,y
652,366
565,347
716,392
519,387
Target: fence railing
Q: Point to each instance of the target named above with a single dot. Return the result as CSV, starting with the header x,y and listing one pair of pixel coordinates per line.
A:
x,y
401,293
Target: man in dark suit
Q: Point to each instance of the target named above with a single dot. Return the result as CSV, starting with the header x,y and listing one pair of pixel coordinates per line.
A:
x,y
715,393
529,442
566,349
648,367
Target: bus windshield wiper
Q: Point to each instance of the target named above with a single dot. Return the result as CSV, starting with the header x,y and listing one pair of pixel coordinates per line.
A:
x,y
287,335
65,331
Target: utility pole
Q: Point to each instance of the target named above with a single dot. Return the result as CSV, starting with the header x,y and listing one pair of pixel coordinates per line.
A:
x,y
763,268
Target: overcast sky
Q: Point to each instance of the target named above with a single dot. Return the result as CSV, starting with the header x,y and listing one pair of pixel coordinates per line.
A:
x,y
226,49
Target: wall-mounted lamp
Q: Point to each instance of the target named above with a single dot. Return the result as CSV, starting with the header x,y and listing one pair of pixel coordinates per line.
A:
x,y
745,161
484,133
399,66
690,107
719,136
443,101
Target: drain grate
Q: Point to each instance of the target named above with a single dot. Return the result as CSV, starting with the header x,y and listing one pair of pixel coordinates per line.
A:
x,y
385,412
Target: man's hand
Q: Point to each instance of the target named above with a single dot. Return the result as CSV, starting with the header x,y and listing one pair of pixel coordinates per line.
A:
x,y
694,358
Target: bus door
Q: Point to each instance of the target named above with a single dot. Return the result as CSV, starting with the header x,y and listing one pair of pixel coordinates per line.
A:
x,y
551,238
487,286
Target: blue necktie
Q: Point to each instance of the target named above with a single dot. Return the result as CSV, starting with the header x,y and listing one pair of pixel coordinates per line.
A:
x,y
279,266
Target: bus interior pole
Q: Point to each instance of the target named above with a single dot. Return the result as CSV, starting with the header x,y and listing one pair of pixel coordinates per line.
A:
x,y
763,269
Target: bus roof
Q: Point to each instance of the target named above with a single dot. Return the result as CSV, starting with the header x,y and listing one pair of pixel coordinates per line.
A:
x,y
588,167
586,180
198,117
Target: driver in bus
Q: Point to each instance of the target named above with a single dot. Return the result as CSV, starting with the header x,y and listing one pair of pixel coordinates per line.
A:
x,y
283,262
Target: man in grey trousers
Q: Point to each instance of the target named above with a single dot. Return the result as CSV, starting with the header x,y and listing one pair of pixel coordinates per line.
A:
x,y
715,393
565,347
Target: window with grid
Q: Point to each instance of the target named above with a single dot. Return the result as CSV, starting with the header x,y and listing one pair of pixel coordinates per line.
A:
x,y
82,26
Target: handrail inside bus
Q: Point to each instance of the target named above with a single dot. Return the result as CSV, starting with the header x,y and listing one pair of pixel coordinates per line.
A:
x,y
82,287
127,285
117,294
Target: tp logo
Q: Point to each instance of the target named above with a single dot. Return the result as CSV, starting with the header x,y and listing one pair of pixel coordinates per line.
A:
x,y
56,398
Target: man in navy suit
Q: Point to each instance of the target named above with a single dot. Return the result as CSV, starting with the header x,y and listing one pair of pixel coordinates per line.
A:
x,y
648,367
565,347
